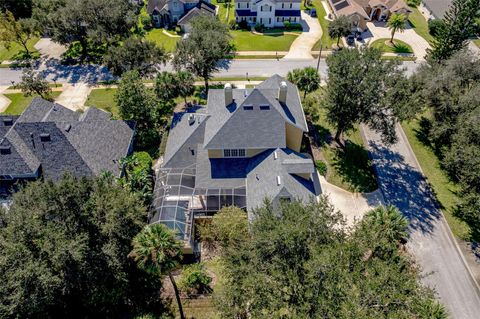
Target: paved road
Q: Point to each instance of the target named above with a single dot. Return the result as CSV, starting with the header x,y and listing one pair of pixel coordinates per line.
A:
x,y
431,241
53,71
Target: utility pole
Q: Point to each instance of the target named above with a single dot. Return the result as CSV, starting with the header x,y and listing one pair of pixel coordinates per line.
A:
x,y
319,56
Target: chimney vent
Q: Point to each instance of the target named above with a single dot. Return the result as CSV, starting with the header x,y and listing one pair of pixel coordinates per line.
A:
x,y
282,93
228,94
191,119
279,181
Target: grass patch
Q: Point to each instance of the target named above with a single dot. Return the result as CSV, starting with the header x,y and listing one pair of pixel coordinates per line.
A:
x,y
348,168
444,189
326,41
16,50
162,40
20,102
399,58
398,47
476,42
420,25
104,99
247,41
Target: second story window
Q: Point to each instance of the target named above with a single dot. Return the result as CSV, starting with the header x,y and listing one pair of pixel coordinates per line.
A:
x,y
290,5
283,5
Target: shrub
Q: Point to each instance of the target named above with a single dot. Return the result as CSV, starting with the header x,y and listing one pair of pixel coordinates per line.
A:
x,y
195,280
321,167
243,25
146,21
414,3
292,26
435,26
259,27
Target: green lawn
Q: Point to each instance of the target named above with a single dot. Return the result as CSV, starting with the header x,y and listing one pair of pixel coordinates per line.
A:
x,y
20,103
444,189
15,49
477,42
162,40
351,168
103,99
247,41
326,41
420,25
222,11
385,46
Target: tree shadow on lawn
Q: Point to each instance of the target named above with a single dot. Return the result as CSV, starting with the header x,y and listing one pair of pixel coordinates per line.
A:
x,y
401,48
355,168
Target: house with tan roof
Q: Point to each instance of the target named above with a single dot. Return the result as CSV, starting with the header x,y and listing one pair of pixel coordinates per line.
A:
x,y
361,11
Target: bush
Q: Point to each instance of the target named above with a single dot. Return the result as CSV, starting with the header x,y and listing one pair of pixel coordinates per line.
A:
x,y
138,175
414,3
195,280
146,21
435,26
259,27
321,167
243,25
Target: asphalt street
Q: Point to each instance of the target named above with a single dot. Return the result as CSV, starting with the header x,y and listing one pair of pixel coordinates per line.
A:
x,y
443,266
54,71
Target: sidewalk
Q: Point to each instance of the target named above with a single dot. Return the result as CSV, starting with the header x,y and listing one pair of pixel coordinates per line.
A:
x,y
4,101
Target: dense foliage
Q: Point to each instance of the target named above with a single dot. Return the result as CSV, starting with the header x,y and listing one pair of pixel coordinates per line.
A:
x,y
340,27
172,85
34,83
208,42
19,8
19,31
138,175
450,90
363,88
460,24
137,102
134,54
299,262
63,252
195,279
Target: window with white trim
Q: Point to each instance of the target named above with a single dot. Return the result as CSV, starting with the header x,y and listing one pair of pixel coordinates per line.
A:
x,y
234,152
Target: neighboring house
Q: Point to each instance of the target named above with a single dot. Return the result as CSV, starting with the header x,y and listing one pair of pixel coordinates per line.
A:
x,y
245,146
361,11
48,140
437,8
167,12
270,13
202,9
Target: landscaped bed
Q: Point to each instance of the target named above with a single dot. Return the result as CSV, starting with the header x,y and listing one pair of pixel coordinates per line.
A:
x,y
398,46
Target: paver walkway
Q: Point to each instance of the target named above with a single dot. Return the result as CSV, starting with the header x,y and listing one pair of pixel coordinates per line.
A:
x,y
302,46
379,30
352,205
50,49
74,96
431,241
4,101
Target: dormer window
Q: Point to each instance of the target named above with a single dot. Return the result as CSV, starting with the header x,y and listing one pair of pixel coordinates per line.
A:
x,y
248,107
264,107
234,152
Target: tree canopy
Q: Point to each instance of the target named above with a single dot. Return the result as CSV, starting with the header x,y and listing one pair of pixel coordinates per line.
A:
x,y
63,252
307,79
19,8
208,42
340,27
19,31
299,262
397,22
363,88
460,23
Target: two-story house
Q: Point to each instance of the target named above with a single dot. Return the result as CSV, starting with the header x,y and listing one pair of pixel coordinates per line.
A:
x,y
166,12
243,147
270,13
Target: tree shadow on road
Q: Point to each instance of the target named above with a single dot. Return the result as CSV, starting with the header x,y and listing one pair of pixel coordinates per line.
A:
x,y
405,187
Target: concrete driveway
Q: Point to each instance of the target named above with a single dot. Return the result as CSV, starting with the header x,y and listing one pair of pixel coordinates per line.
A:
x,y
49,49
353,206
302,46
74,96
443,266
379,30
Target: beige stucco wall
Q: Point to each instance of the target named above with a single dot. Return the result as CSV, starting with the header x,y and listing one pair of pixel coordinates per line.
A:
x,y
294,137
215,153
304,175
253,152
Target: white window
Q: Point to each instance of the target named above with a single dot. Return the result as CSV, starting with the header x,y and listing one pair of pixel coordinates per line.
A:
x,y
234,153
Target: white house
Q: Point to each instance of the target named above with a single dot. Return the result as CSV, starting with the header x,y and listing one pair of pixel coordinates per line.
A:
x,y
270,13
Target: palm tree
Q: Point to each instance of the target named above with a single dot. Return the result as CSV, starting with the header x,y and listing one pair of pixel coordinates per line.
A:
x,y
390,220
307,79
397,22
157,251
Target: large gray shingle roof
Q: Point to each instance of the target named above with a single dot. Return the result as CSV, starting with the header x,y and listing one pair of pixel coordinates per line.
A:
x,y
438,7
55,140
